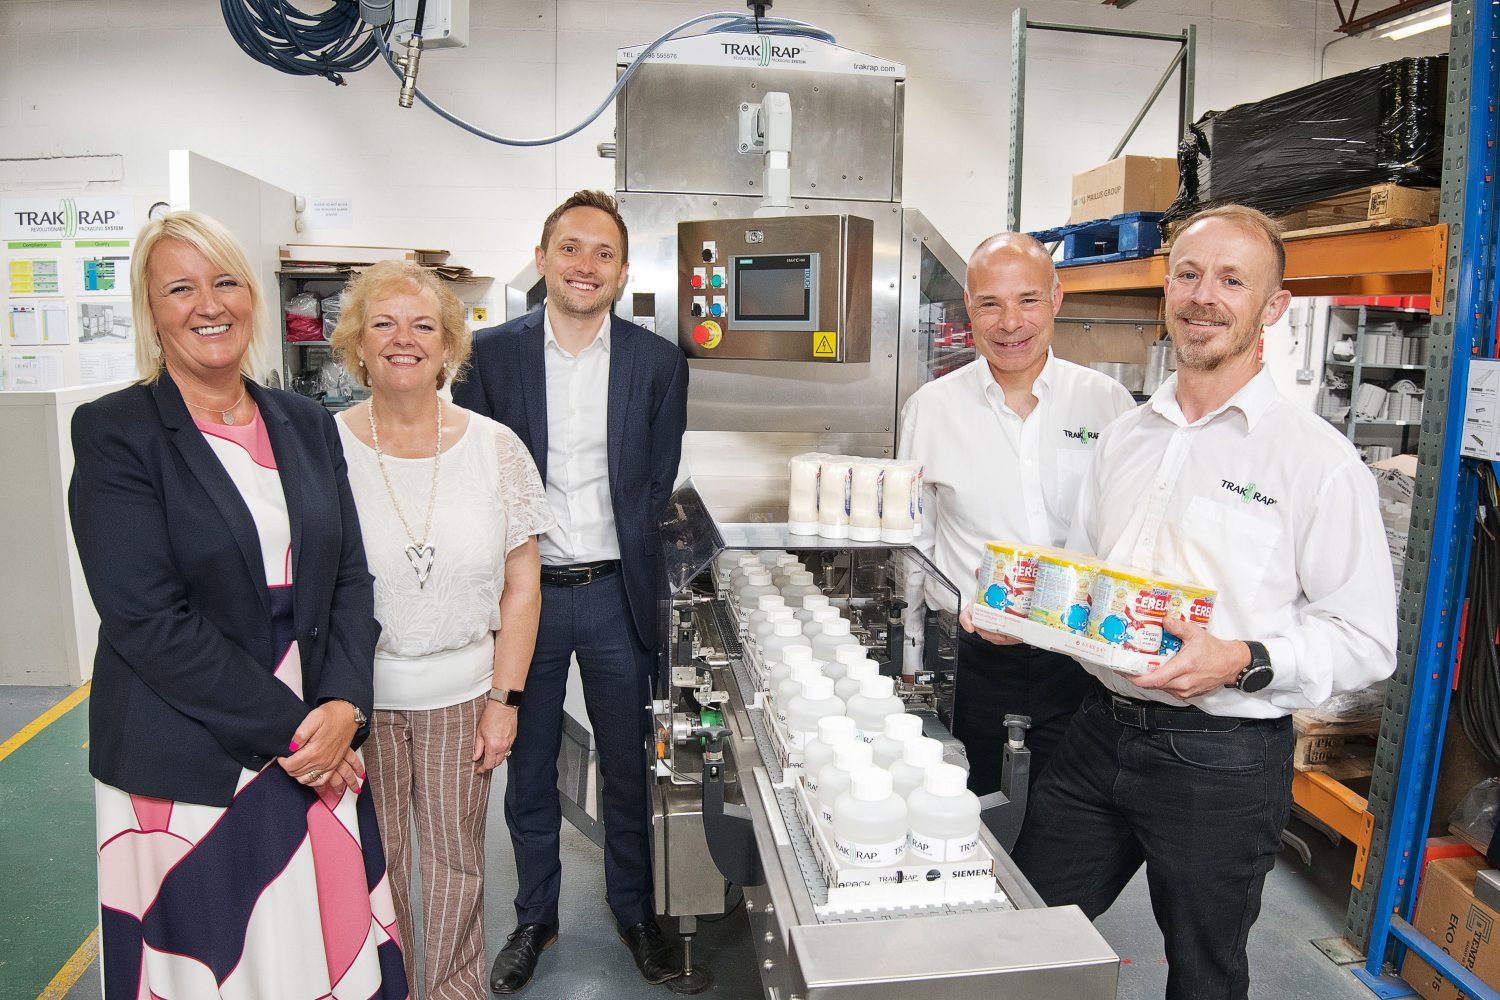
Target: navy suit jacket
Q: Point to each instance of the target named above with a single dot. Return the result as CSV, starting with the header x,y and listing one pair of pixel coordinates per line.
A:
x,y
647,415
184,694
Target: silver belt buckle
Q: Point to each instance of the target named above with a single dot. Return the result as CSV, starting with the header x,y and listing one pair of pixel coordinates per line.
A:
x,y
588,576
1128,712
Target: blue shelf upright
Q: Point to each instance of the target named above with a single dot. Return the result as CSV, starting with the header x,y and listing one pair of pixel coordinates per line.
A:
x,y
1436,570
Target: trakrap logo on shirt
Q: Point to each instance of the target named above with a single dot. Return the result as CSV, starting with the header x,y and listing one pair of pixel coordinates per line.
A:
x,y
1247,493
1082,434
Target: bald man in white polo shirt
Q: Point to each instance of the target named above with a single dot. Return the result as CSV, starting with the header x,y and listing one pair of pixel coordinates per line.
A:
x,y
1005,441
1222,481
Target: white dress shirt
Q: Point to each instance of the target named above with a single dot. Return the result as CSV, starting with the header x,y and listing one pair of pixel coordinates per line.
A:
x,y
578,452
1270,506
989,473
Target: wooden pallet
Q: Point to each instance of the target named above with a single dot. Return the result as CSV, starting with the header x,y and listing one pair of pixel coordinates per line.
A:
x,y
1343,750
1120,237
1376,207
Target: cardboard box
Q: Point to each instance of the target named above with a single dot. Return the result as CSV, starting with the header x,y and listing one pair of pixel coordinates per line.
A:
x,y
1450,916
1126,184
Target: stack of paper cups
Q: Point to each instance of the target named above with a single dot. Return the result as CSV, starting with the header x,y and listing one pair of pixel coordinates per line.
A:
x,y
834,479
802,499
898,502
864,501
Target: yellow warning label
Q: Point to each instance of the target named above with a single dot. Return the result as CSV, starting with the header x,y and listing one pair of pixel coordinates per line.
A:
x,y
826,344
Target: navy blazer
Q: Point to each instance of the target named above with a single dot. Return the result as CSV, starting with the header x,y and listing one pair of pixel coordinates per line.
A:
x,y
184,695
647,415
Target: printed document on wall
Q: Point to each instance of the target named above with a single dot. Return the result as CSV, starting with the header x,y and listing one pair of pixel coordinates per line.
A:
x,y
33,371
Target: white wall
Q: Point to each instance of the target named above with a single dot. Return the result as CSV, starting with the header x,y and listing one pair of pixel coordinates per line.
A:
x,y
138,77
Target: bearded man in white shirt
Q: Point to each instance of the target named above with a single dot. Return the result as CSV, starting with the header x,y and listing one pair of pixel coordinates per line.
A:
x,y
1004,442
1218,480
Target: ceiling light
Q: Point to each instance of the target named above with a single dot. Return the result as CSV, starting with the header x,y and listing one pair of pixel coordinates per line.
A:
x,y
1414,24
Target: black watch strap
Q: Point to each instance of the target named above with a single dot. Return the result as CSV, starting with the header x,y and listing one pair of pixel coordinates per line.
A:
x,y
1259,673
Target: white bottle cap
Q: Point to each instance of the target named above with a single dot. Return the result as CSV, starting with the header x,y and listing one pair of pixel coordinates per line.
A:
x,y
748,559
862,670
924,751
789,627
823,614
804,672
812,602
794,656
878,686
835,626
782,613
945,780
870,784
770,557
849,652
799,578
835,729
903,726
758,578
787,559
854,754
816,687
766,602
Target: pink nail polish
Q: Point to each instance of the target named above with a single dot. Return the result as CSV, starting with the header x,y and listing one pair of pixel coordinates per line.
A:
x,y
295,746
361,776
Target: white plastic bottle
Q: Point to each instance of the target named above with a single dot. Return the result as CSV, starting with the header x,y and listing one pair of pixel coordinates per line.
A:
x,y
855,674
781,669
811,626
898,729
810,606
849,652
799,585
742,566
791,687
826,641
766,627
769,558
786,632
814,703
788,565
868,709
764,603
756,583
944,816
869,821
832,730
917,755
833,779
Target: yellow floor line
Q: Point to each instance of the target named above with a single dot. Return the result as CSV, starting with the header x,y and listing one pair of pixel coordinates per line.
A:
x,y
44,720
73,969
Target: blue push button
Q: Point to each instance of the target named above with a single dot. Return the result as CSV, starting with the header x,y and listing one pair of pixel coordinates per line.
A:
x,y
716,309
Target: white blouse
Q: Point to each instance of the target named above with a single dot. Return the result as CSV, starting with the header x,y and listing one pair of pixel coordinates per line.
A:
x,y
436,640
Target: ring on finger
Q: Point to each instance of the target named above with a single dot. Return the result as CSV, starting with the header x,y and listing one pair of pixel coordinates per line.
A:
x,y
314,775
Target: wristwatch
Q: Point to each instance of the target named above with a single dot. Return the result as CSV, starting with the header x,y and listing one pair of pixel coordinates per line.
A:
x,y
360,719
506,696
1259,673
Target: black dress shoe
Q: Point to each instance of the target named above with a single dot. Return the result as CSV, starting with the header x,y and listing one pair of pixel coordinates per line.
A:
x,y
517,960
656,957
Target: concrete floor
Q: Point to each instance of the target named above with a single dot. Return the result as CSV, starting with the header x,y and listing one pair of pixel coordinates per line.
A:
x,y
1301,903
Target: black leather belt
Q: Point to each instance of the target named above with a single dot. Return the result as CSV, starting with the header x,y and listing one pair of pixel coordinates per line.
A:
x,y
1174,718
578,574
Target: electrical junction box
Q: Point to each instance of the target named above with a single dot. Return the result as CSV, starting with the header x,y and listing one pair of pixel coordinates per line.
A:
x,y
445,23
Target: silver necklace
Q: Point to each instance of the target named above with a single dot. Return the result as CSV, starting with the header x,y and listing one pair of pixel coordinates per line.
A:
x,y
225,415
419,552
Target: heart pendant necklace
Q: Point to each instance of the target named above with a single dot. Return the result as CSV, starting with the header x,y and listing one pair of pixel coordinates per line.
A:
x,y
419,551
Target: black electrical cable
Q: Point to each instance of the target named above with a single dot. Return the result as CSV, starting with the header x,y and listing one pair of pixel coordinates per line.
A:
x,y
728,910
277,34
1479,664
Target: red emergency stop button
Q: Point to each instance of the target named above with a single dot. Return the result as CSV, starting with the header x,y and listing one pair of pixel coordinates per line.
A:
x,y
707,335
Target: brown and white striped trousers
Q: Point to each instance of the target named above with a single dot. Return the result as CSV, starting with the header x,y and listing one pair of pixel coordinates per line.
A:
x,y
419,768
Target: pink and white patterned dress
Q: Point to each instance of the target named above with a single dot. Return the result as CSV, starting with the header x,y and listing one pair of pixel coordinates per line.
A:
x,y
283,892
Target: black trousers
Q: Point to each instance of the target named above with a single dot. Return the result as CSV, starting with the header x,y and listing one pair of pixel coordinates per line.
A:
x,y
1203,811
995,681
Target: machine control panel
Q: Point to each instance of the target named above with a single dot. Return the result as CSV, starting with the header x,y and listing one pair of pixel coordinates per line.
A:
x,y
783,288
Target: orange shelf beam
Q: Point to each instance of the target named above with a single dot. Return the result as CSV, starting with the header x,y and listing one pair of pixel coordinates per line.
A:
x,y
1389,262
1334,804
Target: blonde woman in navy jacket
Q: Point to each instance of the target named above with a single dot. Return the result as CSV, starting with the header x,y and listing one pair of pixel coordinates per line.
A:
x,y
232,685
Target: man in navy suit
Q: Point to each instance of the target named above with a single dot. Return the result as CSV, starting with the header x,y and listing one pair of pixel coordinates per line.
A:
x,y
602,405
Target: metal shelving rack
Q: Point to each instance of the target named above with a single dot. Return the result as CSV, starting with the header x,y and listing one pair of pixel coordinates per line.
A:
x,y
1416,710
1355,328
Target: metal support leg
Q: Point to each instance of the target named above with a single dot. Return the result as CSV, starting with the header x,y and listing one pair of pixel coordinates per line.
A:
x,y
694,979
